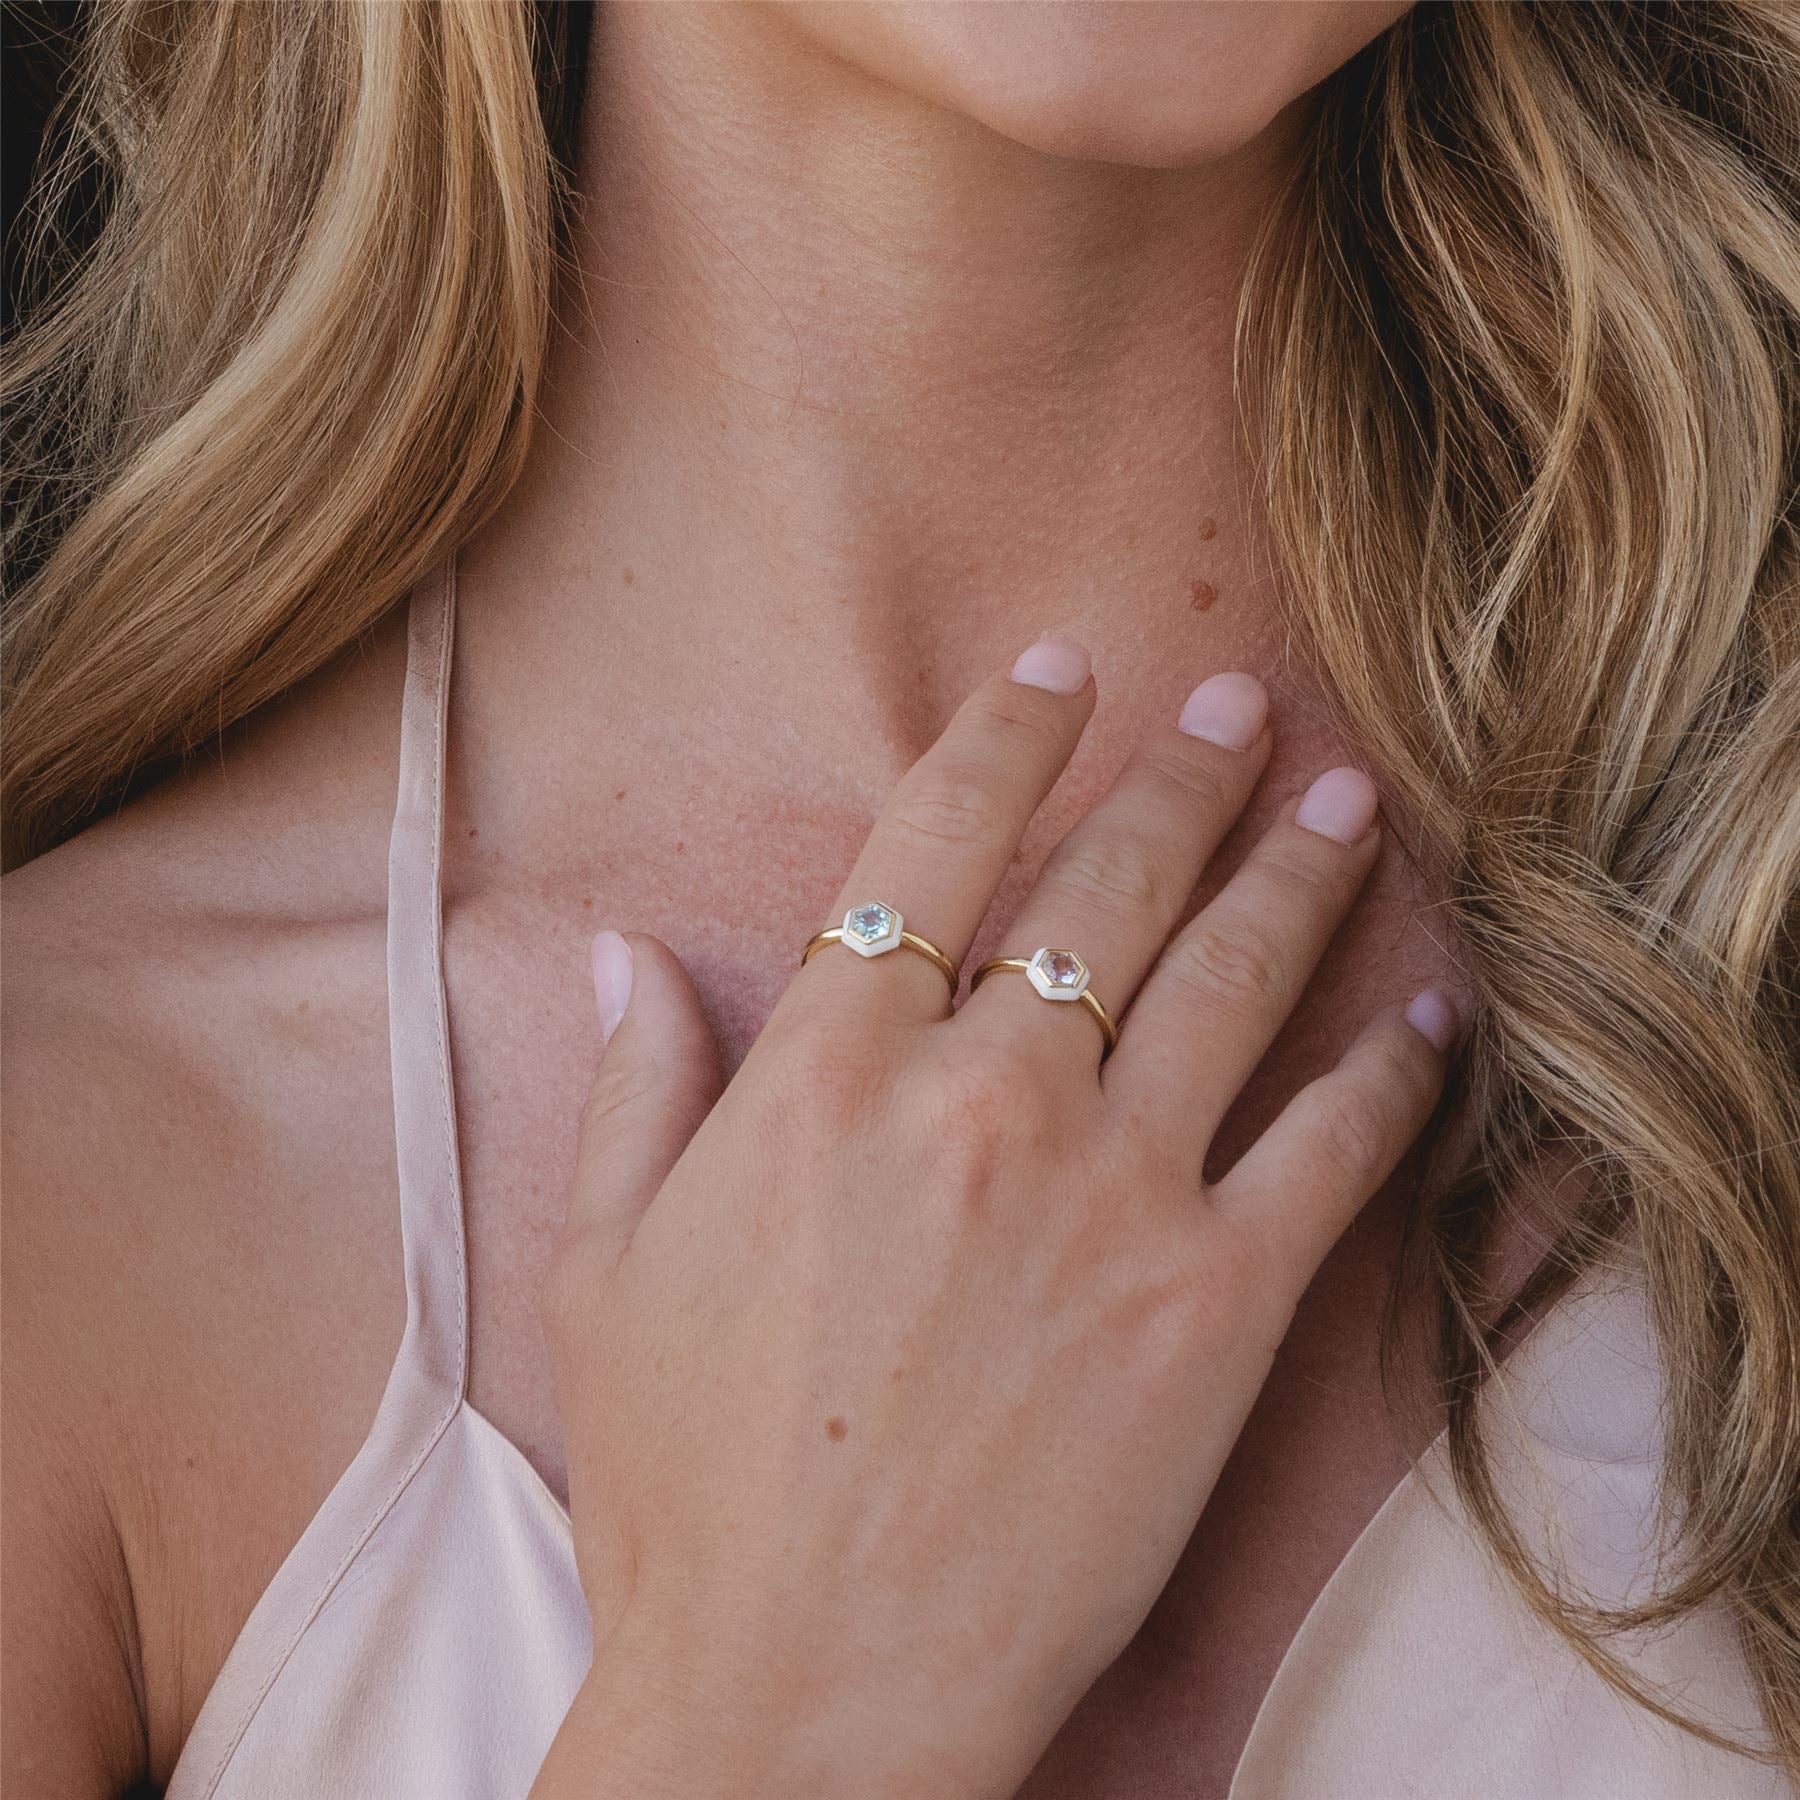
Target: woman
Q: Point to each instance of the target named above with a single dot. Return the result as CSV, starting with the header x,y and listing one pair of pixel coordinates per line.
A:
x,y
945,1401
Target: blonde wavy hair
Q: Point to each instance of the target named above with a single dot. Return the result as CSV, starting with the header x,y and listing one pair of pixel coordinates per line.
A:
x,y
1520,364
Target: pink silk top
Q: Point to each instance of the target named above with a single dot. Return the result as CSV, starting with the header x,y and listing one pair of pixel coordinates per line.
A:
x,y
425,1636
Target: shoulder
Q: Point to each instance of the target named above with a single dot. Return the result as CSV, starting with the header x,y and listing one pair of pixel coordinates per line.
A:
x,y
195,1143
173,978
152,1018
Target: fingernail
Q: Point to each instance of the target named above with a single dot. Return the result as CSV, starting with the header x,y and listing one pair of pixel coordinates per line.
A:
x,y
612,980
1228,710
1340,804
1053,663
1433,1015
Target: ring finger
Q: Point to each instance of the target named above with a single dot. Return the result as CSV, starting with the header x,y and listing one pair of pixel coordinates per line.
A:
x,y
1116,886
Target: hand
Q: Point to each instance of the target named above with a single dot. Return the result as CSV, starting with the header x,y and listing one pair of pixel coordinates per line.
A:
x,y
896,1376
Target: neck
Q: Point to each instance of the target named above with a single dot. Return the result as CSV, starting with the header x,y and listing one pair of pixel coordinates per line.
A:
x,y
850,398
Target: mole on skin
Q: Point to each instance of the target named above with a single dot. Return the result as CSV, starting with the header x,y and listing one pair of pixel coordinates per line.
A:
x,y
1204,594
835,1429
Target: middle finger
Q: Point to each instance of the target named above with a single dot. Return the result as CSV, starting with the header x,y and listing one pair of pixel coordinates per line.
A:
x,y
1116,886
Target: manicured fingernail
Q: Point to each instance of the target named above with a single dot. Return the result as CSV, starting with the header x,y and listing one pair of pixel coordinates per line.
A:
x,y
612,980
1434,1016
1053,663
1228,710
1340,804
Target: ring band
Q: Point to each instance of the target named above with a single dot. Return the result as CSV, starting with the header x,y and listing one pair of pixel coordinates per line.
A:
x,y
873,929
1058,975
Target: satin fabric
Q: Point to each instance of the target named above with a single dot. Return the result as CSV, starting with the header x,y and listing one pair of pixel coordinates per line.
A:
x,y
424,1638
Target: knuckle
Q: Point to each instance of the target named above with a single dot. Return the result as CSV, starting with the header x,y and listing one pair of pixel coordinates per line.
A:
x,y
1401,1065
947,812
1196,780
1317,883
1220,1271
1007,711
1237,964
618,1093
980,1104
1355,1129
1118,876
1248,1279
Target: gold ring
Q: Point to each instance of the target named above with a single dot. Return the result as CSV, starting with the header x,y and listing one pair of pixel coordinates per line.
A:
x,y
1056,975
873,929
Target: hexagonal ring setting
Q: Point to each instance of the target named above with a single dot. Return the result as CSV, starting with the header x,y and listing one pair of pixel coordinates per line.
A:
x,y
872,929
1057,974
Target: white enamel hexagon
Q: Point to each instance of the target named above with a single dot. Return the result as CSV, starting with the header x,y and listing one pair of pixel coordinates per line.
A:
x,y
1057,974
871,929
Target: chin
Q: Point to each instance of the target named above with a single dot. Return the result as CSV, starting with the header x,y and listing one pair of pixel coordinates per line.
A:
x,y
1156,83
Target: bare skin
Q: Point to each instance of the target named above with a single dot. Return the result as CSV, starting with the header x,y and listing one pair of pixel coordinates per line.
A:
x,y
831,468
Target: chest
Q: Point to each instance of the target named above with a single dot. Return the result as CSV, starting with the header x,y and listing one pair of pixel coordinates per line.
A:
x,y
735,876
735,892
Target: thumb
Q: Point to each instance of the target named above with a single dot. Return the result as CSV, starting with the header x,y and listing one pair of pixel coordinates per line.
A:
x,y
658,1078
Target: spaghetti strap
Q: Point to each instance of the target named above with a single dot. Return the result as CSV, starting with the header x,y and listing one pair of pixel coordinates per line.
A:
x,y
425,1387
431,1221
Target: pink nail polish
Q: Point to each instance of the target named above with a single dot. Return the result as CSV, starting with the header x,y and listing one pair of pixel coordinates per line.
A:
x,y
1433,1015
1058,664
1227,710
612,980
1341,804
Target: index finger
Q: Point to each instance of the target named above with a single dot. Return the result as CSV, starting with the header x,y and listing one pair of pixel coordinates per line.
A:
x,y
941,845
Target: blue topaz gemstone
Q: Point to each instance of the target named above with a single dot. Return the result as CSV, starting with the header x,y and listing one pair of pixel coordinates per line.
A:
x,y
871,922
871,928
